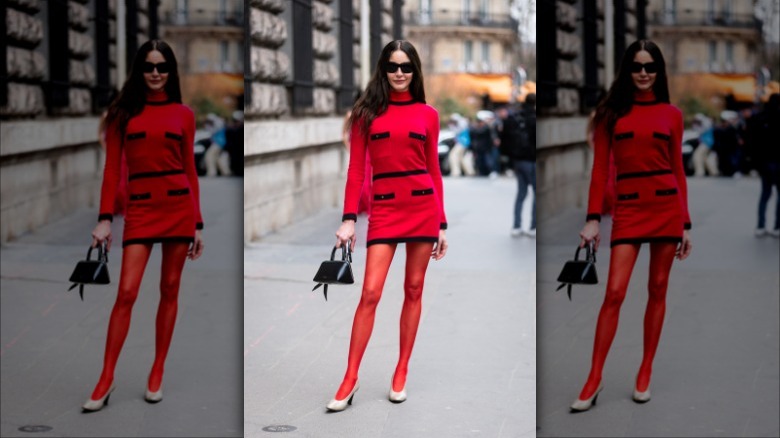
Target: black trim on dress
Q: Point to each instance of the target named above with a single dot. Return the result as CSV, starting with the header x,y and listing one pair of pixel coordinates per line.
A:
x,y
443,226
665,192
593,216
399,174
153,240
403,240
417,136
687,226
662,136
380,135
627,196
422,192
624,135
173,136
155,174
199,226
136,135
140,196
349,217
178,192
106,216
643,174
640,240
384,196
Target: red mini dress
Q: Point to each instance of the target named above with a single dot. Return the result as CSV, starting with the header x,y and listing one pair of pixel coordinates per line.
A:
x,y
406,191
651,193
163,204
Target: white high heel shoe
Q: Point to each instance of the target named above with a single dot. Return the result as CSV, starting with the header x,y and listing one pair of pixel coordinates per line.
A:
x,y
339,405
153,397
96,405
641,397
584,405
396,397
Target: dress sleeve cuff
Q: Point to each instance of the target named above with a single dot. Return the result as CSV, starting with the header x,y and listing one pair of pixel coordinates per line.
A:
x,y
199,226
593,216
349,216
106,216
687,226
443,226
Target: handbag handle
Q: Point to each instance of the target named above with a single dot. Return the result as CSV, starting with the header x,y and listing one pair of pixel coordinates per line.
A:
x,y
346,252
590,253
102,252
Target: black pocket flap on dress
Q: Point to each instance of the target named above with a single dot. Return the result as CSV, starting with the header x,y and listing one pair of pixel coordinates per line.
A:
x,y
422,192
661,136
417,136
136,135
140,196
665,192
383,196
178,192
628,196
379,135
624,135
173,136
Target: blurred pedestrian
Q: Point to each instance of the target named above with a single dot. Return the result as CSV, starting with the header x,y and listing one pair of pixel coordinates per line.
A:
x,y
234,143
483,142
643,131
518,141
459,156
148,124
764,131
726,142
392,121
216,155
704,158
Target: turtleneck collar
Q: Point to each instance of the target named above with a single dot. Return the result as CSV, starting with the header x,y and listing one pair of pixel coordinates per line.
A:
x,y
644,97
157,97
400,98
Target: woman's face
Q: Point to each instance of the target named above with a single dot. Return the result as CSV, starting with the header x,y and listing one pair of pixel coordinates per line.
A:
x,y
156,70
643,71
399,80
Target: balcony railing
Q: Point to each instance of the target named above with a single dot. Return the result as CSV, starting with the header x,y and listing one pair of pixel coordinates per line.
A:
x,y
703,18
200,17
460,18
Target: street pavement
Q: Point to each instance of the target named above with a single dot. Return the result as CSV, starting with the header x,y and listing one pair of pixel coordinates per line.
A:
x,y
716,369
53,343
473,370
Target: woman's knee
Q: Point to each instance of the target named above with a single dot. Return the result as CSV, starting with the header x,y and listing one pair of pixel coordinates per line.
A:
x,y
413,290
656,287
371,296
126,296
614,296
169,287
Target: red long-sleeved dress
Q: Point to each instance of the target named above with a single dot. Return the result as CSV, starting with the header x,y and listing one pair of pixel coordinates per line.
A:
x,y
408,201
652,199
163,204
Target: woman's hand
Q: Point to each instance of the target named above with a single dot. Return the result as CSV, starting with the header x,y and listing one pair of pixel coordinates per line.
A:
x,y
440,249
102,232
345,233
196,249
590,232
684,249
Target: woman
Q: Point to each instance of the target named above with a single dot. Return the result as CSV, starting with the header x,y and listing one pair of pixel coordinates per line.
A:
x,y
392,123
637,126
149,126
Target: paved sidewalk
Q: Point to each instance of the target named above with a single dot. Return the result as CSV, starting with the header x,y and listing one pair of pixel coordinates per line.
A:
x,y
52,343
716,370
473,371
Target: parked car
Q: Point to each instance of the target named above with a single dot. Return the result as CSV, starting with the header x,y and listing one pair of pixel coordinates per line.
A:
x,y
446,142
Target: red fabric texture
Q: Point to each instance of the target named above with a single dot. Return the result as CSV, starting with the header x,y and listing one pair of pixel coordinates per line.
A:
x,y
163,187
651,200
407,194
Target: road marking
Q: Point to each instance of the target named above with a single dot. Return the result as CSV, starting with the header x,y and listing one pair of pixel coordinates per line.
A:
x,y
13,341
294,308
257,341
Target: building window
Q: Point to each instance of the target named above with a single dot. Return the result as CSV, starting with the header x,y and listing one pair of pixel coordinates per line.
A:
x,y
730,55
485,55
484,15
425,11
713,58
727,9
240,56
222,12
670,8
181,12
710,11
224,56
468,55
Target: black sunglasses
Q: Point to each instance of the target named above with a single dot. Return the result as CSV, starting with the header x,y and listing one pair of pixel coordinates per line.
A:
x,y
650,67
392,67
162,67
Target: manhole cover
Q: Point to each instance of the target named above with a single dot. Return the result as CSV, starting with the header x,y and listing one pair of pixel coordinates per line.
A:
x,y
279,428
35,428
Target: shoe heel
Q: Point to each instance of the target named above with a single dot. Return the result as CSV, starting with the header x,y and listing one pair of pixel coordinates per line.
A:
x,y
595,399
107,397
349,402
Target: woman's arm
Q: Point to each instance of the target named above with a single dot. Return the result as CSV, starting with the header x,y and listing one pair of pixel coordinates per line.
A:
x,y
188,158
110,172
356,173
432,162
598,177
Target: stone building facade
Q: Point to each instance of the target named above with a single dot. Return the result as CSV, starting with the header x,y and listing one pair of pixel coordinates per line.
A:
x,y
580,43
475,36
60,62
306,59
718,36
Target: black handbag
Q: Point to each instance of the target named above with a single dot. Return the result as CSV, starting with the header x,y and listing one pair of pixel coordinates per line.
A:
x,y
579,271
335,271
91,271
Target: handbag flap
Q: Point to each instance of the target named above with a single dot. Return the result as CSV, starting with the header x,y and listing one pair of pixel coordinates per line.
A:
x,y
578,272
334,272
90,272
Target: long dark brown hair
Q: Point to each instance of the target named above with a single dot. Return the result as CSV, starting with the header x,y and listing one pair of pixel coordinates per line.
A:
x,y
373,101
617,103
131,100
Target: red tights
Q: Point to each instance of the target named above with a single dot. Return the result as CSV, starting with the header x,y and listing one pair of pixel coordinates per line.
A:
x,y
622,260
378,260
134,259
